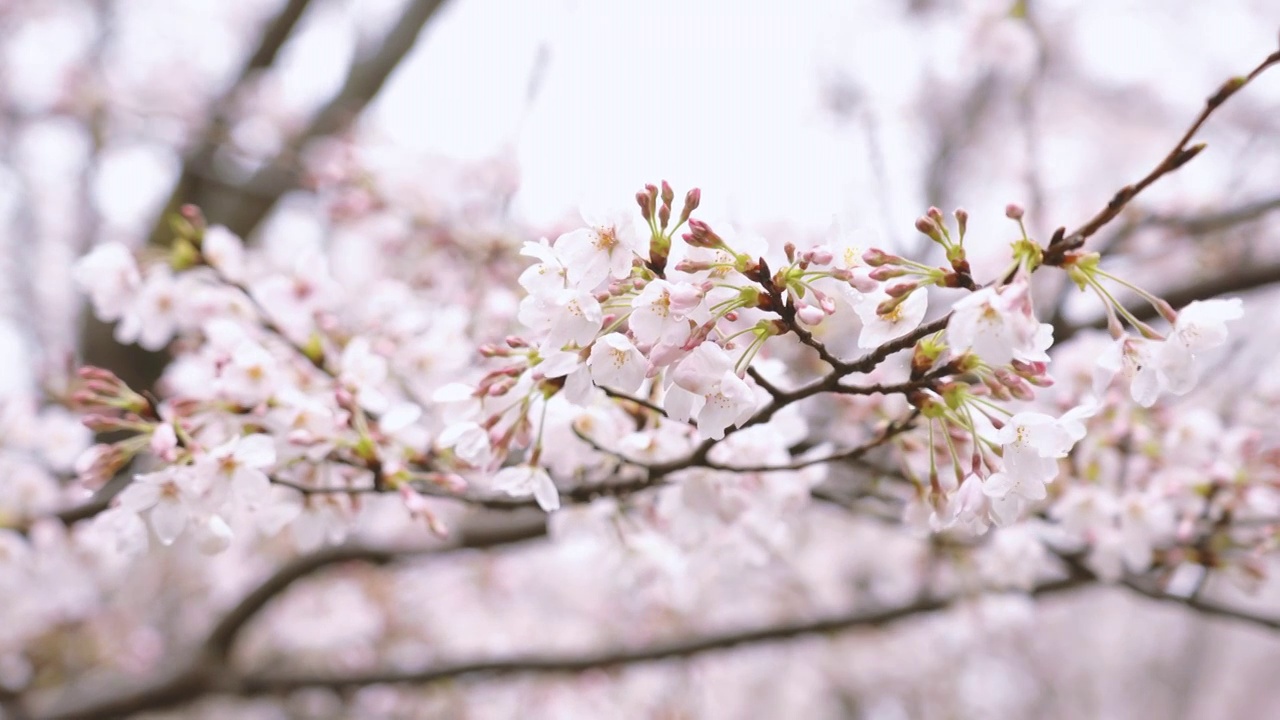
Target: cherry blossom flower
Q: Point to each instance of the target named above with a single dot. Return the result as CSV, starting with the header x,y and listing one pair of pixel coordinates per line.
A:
x,y
615,362
1135,358
225,252
238,466
546,275
468,441
997,325
660,312
364,372
172,495
154,315
526,480
293,299
111,277
712,391
1032,444
605,248
251,376
877,328
563,317
1200,326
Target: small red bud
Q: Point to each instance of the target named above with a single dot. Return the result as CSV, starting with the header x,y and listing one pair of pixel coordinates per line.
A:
x,y
886,273
1013,212
875,258
692,200
901,289
667,194
646,206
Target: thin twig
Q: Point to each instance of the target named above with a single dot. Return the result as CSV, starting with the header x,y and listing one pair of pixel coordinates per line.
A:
x,y
1180,155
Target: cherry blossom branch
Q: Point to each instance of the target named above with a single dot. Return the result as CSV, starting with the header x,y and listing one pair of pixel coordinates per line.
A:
x,y
679,649
1062,243
1147,589
763,382
892,430
208,672
1196,224
1202,606
646,404
210,675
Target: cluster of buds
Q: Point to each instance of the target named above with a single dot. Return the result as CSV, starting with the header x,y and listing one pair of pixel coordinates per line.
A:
x,y
658,216
933,226
109,403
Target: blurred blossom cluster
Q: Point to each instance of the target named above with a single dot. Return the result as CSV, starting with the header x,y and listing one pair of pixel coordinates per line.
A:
x,y
299,422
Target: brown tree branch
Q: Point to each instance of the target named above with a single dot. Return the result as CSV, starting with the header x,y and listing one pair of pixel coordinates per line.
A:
x,y
208,672
137,366
1180,155
613,658
210,675
242,207
195,168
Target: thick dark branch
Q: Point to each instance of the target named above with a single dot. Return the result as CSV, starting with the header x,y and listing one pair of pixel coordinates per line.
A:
x,y
273,38
544,664
242,208
1214,221
198,163
1204,607
208,672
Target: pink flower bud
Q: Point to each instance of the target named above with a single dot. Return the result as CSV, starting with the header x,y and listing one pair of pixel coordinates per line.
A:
x,y
821,255
876,257
1013,212
692,200
810,315
646,207
886,273
667,194
901,290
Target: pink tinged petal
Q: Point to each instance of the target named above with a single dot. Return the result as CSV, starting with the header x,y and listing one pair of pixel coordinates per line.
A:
x,y
1109,363
398,417
213,535
309,531
617,363
140,495
999,485
1032,490
256,451
1005,510
168,518
681,404
577,387
544,491
701,371
559,363
1145,386
131,535
250,486
273,516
